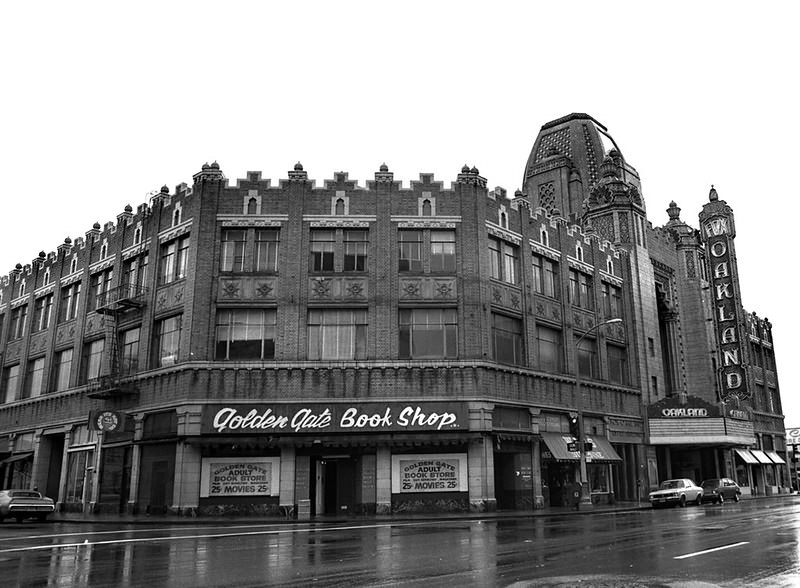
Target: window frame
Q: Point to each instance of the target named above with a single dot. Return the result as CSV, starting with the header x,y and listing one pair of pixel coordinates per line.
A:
x,y
441,333
343,330
266,326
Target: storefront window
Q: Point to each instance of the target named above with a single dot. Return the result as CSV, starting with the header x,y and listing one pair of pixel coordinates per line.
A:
x,y
78,474
598,477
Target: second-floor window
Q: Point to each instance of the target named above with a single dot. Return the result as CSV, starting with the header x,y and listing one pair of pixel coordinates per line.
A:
x,y
548,343
267,250
42,310
428,333
617,364
507,339
443,251
427,250
9,386
337,334
166,341
587,358
245,334
504,260
129,351
91,360
355,250
62,367
34,378
174,256
70,300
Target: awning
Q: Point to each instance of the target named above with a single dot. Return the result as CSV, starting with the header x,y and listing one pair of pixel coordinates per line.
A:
x,y
761,456
775,457
746,456
17,457
601,452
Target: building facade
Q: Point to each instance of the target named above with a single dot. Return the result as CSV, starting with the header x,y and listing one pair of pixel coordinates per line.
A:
x,y
299,350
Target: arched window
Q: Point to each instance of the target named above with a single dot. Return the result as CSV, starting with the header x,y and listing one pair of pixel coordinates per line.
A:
x,y
578,252
252,206
339,208
137,236
22,288
176,217
426,208
103,251
544,237
73,266
610,266
503,220
46,277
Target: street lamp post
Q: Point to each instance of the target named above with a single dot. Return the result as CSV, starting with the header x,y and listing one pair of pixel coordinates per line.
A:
x,y
586,497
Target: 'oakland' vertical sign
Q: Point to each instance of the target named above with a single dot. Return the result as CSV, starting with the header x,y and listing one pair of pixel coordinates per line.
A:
x,y
718,236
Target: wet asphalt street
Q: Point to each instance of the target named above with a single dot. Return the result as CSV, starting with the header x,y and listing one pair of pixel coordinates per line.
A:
x,y
753,543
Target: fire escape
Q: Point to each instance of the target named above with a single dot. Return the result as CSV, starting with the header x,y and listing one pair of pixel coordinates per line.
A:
x,y
113,304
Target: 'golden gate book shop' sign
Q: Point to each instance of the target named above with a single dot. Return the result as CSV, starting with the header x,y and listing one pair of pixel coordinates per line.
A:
x,y
234,476
429,473
279,419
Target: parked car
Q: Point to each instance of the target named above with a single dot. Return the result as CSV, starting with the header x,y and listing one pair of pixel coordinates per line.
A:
x,y
679,491
718,490
23,504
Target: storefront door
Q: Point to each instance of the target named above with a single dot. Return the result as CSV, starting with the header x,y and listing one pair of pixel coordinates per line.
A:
x,y
334,485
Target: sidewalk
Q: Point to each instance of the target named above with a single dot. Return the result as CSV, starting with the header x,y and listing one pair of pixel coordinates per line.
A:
x,y
145,519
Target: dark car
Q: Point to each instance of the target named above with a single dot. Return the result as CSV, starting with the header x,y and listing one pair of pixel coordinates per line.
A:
x,y
24,504
718,490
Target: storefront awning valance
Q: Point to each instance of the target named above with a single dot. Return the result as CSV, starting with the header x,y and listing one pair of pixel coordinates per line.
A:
x,y
761,456
601,452
18,457
775,457
746,456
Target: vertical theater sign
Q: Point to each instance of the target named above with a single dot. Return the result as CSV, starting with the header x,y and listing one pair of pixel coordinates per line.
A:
x,y
718,233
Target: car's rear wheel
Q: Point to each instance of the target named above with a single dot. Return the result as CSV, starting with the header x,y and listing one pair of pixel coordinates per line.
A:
x,y
682,501
41,518
721,499
736,498
19,519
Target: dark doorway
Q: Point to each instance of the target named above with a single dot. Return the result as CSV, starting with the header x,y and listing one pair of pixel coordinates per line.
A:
x,y
333,488
115,476
54,466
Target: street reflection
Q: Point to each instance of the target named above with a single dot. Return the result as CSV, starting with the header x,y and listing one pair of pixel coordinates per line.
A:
x,y
450,552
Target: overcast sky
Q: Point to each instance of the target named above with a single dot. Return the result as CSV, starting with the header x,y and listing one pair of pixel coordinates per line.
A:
x,y
100,105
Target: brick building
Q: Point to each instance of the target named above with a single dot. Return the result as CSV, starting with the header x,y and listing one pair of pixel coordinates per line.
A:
x,y
299,350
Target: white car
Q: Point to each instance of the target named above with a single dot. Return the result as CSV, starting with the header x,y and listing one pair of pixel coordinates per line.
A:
x,y
679,491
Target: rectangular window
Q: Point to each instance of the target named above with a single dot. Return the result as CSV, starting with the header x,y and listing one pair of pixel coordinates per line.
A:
x,y
19,319
612,301
173,260
548,344
33,378
267,250
91,360
134,274
428,333
581,293
443,251
129,351
166,341
410,250
61,370
42,310
507,339
245,334
322,247
355,250
504,261
78,465
99,285
587,358
233,247
70,300
617,365
10,383
337,334
545,276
